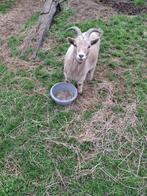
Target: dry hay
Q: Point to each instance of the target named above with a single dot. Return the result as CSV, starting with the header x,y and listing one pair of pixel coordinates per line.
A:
x,y
105,127
11,165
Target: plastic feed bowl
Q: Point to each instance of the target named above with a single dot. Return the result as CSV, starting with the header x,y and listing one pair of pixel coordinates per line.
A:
x,y
63,86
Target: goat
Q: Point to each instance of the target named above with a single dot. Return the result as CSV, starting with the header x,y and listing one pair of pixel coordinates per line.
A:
x,y
82,55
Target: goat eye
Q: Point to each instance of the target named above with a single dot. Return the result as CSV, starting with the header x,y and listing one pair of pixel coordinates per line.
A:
x,y
75,45
88,46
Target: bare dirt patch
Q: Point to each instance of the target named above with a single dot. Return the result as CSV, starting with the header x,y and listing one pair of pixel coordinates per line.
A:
x,y
89,9
11,24
106,127
87,100
103,9
125,7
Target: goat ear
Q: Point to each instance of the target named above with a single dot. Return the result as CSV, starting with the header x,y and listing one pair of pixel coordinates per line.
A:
x,y
71,41
94,41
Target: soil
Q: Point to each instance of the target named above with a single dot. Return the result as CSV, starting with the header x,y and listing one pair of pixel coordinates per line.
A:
x,y
103,9
125,7
90,9
11,24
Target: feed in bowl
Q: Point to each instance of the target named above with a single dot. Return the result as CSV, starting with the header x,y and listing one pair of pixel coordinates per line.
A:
x,y
64,94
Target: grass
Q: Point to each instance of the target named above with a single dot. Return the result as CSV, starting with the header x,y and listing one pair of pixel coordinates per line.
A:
x,y
31,21
13,43
140,2
45,148
6,5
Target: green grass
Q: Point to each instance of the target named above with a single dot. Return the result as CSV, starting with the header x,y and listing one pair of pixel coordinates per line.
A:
x,y
40,153
31,21
6,5
13,43
140,2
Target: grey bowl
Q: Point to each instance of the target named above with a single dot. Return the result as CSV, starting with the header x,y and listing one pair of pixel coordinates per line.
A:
x,y
63,86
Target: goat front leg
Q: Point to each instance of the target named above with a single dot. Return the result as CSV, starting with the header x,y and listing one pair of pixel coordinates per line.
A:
x,y
80,87
90,74
66,79
80,84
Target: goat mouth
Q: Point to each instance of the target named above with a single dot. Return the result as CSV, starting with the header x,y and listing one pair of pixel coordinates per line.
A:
x,y
80,60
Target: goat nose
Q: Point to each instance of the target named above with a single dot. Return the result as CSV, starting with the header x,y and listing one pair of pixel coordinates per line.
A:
x,y
81,55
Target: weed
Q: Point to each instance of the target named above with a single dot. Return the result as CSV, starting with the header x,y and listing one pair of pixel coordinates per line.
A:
x,y
6,5
13,43
139,2
31,21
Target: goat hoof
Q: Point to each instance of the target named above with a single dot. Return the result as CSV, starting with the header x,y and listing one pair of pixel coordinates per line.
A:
x,y
80,88
80,92
67,81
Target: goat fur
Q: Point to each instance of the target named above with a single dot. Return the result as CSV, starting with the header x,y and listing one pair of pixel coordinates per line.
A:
x,y
79,72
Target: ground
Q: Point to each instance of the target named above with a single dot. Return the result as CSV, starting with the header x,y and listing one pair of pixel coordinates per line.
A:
x,y
96,146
